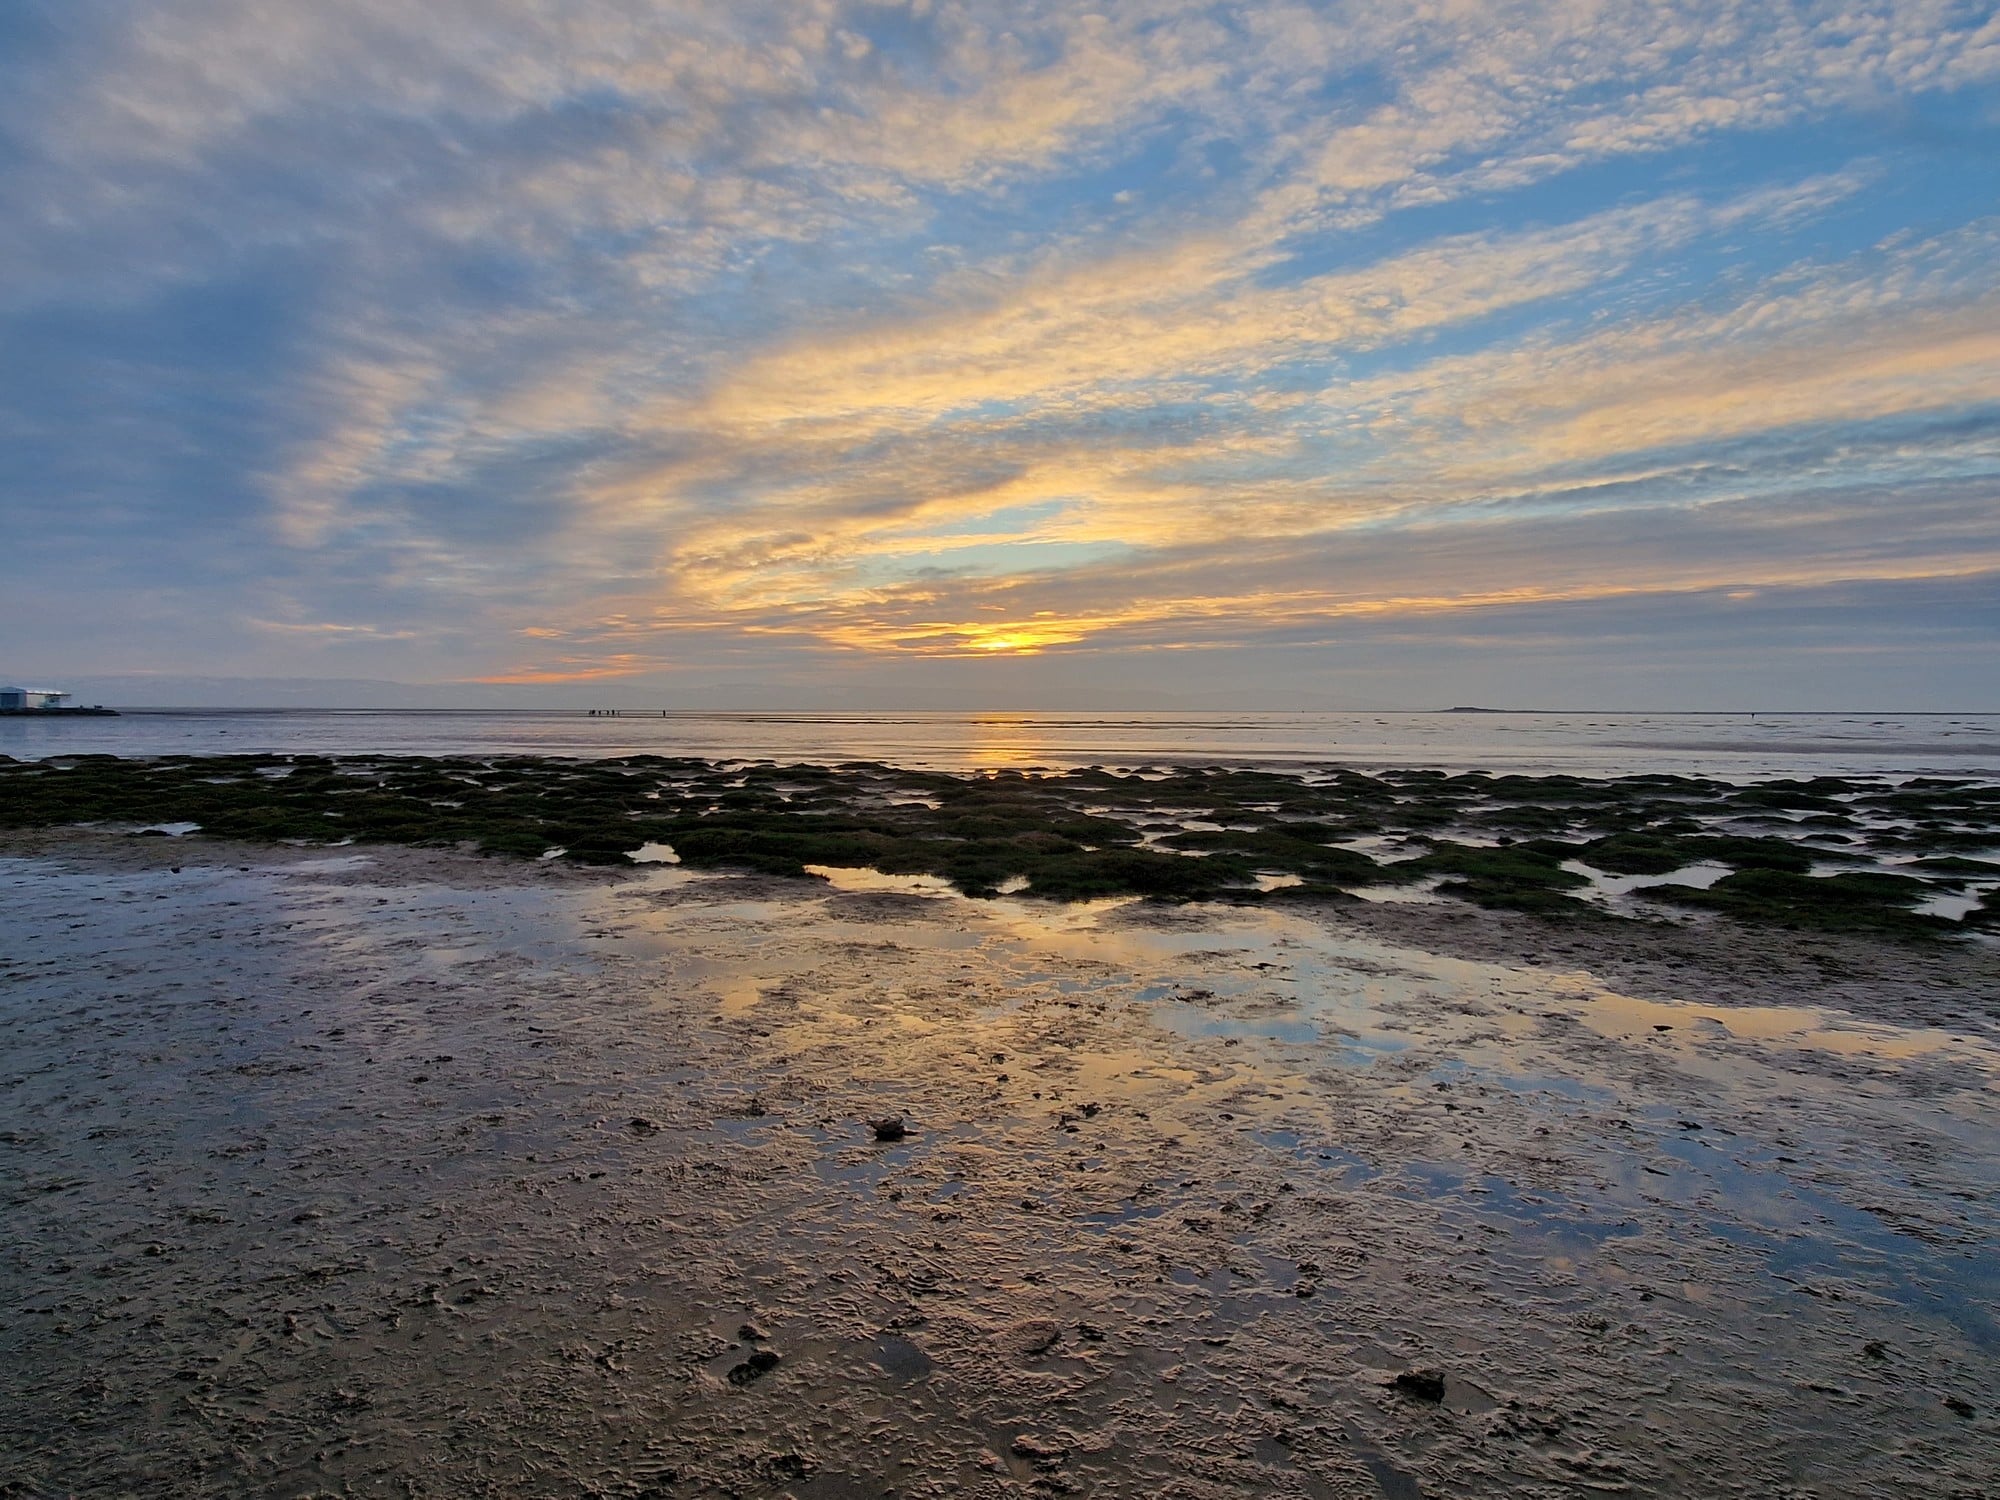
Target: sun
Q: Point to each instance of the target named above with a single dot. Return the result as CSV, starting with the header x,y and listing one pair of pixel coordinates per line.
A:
x,y
1007,642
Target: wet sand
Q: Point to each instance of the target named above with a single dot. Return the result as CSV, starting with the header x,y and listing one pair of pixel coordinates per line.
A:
x,y
405,1173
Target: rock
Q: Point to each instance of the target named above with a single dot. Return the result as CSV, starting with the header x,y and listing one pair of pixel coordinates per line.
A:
x,y
640,1125
1960,1407
750,1333
1424,1385
889,1128
1029,1338
756,1367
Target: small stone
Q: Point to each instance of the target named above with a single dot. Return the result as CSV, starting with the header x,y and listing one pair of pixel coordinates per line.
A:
x,y
889,1128
640,1125
1424,1385
1959,1406
756,1367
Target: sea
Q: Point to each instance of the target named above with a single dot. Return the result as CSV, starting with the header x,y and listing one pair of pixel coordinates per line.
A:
x,y
1732,747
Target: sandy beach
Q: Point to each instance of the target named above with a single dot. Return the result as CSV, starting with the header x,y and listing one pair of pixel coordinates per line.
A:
x,y
402,1172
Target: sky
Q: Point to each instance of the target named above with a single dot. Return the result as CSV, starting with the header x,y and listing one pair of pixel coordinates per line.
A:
x,y
960,354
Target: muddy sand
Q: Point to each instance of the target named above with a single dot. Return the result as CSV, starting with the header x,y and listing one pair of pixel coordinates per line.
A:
x,y
404,1173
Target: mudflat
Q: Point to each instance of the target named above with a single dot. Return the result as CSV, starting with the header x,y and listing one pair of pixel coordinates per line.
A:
x,y
383,1170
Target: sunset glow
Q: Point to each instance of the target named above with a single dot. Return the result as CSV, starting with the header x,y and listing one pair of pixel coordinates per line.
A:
x,y
1212,349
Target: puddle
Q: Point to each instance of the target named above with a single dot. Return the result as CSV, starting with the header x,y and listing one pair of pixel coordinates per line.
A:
x,y
1955,905
1193,1021
1267,881
1417,892
1609,887
334,865
874,882
899,1359
1682,1023
1548,1218
1331,1159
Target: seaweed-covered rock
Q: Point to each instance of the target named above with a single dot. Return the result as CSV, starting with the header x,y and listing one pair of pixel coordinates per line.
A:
x,y
1852,902
1169,833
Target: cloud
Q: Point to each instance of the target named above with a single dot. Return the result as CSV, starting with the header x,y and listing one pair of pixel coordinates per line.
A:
x,y
621,331
1535,418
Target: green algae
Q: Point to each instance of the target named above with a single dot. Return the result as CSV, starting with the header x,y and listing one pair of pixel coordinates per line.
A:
x,y
1172,833
1516,877
1850,902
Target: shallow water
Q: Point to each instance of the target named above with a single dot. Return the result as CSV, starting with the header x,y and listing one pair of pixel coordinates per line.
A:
x,y
1729,746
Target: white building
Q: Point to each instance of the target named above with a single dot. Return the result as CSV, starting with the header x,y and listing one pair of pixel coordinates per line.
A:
x,y
14,697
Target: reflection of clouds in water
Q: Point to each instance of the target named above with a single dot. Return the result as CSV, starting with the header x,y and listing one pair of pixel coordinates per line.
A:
x,y
1311,985
861,881
1808,1028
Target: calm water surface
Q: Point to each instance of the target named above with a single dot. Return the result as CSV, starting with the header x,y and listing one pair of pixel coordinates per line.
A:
x,y
1736,746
